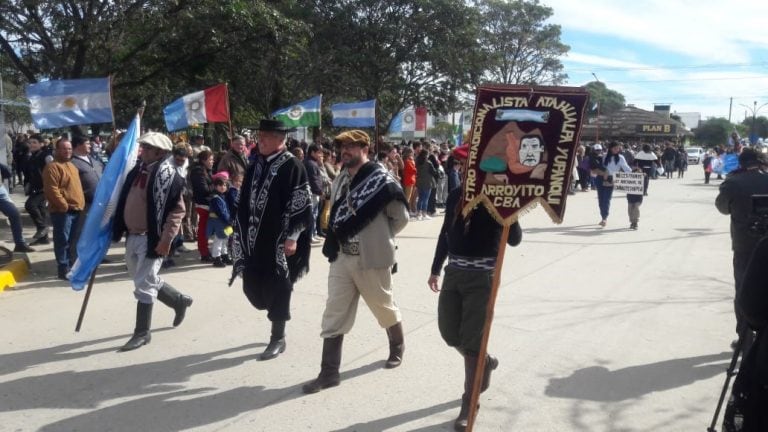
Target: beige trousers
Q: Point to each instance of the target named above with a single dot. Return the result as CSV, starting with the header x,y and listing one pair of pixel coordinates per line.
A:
x,y
347,282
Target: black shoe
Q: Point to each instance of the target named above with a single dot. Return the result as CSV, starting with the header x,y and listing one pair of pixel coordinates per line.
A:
x,y
41,241
63,276
633,226
227,259
491,363
206,259
275,348
23,247
218,262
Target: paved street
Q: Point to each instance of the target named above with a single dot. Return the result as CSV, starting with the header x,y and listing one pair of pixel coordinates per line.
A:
x,y
596,330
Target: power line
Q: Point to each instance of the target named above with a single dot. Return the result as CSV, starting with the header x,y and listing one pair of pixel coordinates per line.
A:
x,y
648,68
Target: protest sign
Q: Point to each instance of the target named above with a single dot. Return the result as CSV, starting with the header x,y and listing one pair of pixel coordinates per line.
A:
x,y
522,148
631,183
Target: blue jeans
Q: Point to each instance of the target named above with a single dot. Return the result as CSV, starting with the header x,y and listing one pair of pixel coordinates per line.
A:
x,y
64,225
604,195
8,208
423,203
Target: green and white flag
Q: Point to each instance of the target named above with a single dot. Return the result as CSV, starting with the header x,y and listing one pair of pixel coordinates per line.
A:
x,y
305,113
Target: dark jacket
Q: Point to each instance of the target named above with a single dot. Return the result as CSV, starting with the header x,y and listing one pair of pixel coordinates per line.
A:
x,y
202,185
33,171
314,175
90,173
233,163
735,199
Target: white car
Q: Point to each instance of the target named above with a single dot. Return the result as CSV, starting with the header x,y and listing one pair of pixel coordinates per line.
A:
x,y
695,155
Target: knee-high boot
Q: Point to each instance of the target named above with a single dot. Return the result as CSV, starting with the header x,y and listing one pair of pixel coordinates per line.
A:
x,y
276,341
470,366
329,366
396,346
141,335
175,300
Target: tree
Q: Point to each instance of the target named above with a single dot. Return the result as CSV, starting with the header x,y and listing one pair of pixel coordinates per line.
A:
x,y
608,101
713,132
520,47
761,126
422,52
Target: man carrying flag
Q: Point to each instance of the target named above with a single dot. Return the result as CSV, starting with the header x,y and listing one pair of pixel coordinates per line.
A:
x,y
149,211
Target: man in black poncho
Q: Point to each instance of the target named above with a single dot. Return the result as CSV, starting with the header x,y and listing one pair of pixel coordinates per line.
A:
x,y
270,244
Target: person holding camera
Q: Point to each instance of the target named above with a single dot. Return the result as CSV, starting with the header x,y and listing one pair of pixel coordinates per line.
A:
x,y
736,199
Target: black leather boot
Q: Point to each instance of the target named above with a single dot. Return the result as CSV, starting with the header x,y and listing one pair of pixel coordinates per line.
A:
x,y
396,346
176,301
276,341
470,366
491,363
227,259
329,366
141,335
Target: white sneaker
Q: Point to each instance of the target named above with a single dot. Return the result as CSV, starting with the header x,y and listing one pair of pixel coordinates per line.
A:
x,y
420,217
427,217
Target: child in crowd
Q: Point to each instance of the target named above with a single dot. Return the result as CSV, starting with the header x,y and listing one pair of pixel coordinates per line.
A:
x,y
219,222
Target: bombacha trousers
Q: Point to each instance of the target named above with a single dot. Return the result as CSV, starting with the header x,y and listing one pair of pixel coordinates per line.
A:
x,y
462,307
347,282
144,271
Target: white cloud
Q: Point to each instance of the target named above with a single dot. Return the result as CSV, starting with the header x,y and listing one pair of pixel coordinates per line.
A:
x,y
699,32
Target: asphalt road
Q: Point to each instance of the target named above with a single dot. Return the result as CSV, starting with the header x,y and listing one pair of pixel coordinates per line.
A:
x,y
596,329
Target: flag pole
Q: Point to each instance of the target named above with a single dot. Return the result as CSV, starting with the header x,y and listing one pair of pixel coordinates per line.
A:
x,y
229,116
376,125
93,274
480,369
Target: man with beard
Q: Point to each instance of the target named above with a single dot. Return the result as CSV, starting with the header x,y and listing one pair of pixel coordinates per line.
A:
x,y
271,241
368,210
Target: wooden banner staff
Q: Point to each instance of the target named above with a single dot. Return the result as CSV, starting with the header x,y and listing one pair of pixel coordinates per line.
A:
x,y
487,328
229,117
93,273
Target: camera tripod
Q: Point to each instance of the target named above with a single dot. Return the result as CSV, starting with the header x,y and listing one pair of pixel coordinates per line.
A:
x,y
730,373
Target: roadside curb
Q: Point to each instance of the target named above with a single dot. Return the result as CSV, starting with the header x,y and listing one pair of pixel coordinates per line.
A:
x,y
13,273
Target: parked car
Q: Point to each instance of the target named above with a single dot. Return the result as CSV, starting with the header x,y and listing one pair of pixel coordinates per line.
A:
x,y
695,155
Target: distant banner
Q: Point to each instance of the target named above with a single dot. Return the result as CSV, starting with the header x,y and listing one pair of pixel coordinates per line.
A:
x,y
522,149
631,183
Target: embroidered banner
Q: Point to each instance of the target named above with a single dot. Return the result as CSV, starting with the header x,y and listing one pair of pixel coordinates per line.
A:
x,y
522,148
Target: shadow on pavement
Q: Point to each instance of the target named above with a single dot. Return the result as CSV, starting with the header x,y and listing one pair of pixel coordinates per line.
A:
x,y
387,423
597,383
89,389
172,407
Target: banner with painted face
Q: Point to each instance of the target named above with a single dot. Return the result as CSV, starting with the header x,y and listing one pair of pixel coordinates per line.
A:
x,y
522,149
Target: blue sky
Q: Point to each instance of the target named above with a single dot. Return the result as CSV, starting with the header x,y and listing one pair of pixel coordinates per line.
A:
x,y
695,55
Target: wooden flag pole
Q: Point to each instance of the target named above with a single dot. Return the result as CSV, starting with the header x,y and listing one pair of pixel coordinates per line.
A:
x,y
229,117
85,300
376,126
487,329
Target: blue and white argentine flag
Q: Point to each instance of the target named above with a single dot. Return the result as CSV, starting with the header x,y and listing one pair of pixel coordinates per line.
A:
x,y
355,114
97,232
60,103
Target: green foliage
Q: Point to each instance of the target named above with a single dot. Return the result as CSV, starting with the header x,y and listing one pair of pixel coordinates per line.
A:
x,y
713,132
760,126
608,101
520,46
274,53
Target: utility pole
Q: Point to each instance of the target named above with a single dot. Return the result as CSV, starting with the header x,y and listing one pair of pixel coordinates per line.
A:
x,y
597,121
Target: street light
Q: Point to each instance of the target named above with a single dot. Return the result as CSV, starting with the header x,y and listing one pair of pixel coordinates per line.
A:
x,y
755,109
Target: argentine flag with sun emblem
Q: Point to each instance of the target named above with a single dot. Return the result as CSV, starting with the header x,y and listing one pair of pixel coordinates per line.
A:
x,y
205,106
60,103
356,114
305,113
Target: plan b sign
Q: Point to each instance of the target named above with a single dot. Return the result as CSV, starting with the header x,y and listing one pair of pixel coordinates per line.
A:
x,y
656,128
